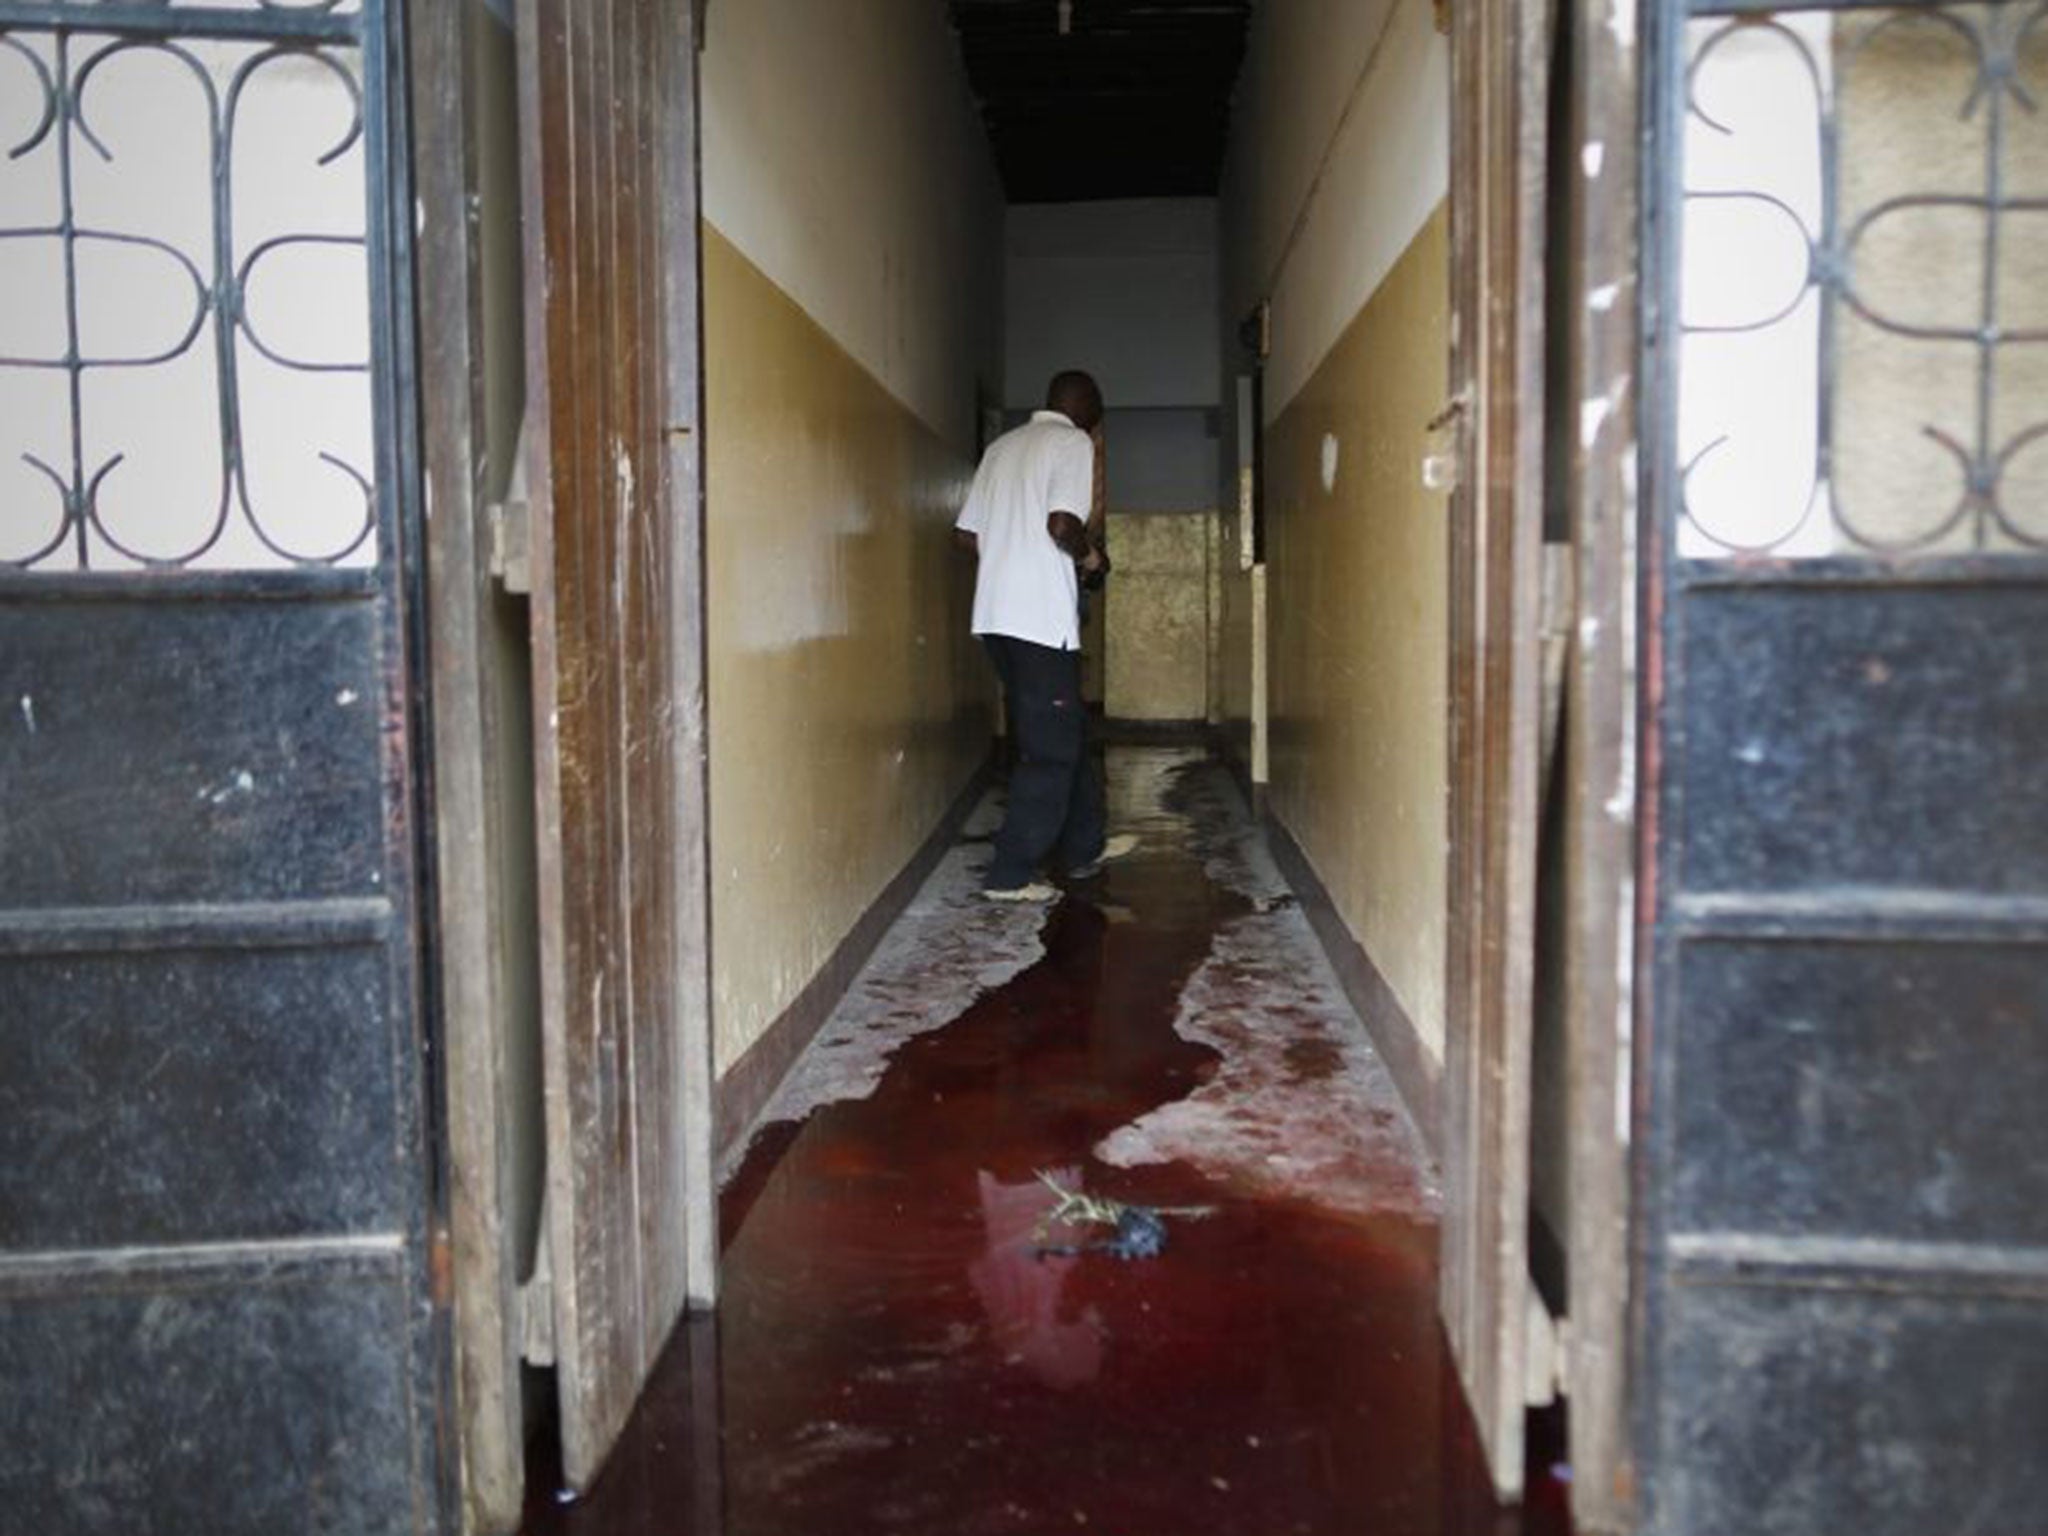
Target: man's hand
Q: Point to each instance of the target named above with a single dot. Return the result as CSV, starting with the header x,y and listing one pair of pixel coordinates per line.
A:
x,y
1095,568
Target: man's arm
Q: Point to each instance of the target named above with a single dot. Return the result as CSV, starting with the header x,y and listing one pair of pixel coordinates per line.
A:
x,y
1073,485
1070,533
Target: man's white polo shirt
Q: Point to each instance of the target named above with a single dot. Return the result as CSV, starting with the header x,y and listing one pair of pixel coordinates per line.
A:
x,y
1026,587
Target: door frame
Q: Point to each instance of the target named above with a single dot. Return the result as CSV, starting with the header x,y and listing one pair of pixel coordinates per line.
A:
x,y
1599,288
470,909
1500,58
1496,729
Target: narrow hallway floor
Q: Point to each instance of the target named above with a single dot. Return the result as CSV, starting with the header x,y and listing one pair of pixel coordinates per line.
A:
x,y
894,1351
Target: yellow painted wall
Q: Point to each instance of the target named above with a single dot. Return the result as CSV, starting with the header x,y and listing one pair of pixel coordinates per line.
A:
x,y
1359,585
853,319
848,705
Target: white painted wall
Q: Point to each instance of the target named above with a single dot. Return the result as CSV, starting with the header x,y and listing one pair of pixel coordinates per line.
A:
x,y
846,159
1126,289
1161,460
1123,288
1339,151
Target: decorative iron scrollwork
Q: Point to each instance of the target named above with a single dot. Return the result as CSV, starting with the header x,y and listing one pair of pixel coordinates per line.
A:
x,y
1911,297
69,75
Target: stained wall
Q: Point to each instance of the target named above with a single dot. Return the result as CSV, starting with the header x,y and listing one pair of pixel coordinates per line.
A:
x,y
1158,618
852,258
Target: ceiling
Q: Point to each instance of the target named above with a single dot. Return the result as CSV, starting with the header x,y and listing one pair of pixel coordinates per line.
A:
x,y
1133,101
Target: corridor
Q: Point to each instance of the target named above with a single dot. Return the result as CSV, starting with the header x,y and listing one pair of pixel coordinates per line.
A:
x,y
893,1354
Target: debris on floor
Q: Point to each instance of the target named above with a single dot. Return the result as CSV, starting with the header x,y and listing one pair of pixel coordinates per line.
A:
x,y
1136,1231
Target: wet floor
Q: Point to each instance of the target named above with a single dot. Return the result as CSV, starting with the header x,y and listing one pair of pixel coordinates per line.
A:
x,y
896,1353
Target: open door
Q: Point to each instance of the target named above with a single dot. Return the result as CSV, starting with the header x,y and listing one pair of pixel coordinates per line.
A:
x,y
222,1276
608,109
1841,1318
1499,53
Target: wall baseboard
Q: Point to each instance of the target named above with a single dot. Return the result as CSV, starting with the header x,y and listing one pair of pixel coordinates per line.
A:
x,y
745,1088
1119,730
1416,1073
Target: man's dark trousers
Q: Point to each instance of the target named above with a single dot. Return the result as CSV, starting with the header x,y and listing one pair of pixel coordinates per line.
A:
x,y
1055,795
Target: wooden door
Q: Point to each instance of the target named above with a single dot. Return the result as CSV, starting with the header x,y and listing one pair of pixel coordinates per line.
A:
x,y
222,1285
1840,1150
1499,52
609,114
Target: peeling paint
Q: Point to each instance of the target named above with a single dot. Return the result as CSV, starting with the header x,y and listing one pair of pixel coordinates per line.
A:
x,y
1621,24
243,782
1593,416
1592,157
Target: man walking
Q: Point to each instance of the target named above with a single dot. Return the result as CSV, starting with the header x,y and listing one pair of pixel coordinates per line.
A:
x,y
1026,518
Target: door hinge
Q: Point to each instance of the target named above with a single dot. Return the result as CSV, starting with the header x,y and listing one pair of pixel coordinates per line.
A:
x,y
511,524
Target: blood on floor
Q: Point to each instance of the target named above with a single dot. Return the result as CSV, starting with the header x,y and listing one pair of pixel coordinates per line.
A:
x,y
894,1354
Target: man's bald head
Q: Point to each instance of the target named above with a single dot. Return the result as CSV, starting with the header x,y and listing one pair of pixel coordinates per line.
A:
x,y
1075,396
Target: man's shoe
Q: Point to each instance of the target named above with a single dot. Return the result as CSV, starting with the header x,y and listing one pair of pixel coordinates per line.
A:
x,y
1035,890
1112,849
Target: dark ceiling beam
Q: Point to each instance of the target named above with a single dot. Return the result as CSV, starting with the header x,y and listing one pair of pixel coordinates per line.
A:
x,y
1134,101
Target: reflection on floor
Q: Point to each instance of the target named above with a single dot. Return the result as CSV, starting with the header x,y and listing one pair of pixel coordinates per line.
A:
x,y
894,1353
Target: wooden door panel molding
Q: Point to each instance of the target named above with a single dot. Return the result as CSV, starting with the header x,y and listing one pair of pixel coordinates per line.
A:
x,y
1500,64
610,117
